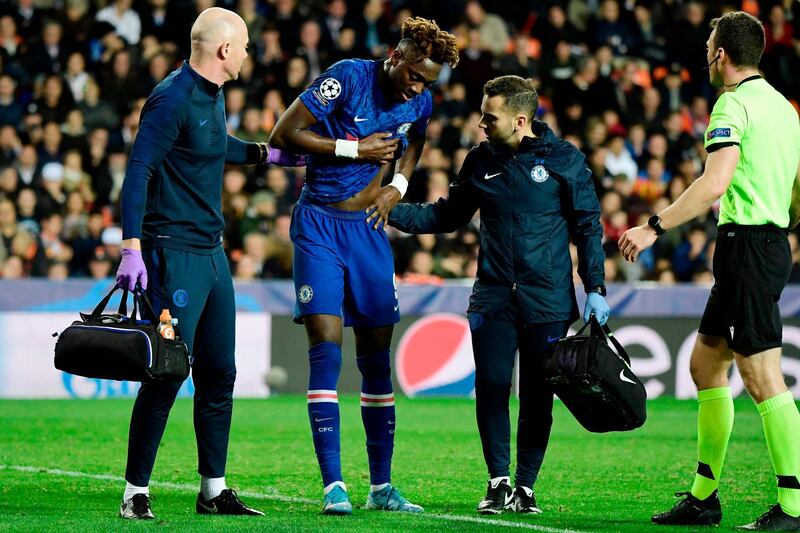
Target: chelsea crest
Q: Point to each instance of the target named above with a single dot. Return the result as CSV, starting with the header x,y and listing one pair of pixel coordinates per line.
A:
x,y
539,174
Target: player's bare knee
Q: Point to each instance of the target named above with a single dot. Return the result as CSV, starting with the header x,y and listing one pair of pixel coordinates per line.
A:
x,y
372,340
323,328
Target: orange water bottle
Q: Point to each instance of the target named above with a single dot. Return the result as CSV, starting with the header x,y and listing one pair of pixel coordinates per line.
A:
x,y
165,328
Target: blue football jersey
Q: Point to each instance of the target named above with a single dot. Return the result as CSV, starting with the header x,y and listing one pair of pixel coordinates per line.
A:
x,y
349,104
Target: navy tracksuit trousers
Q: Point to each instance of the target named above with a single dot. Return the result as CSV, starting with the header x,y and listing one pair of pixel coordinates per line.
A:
x,y
495,341
198,291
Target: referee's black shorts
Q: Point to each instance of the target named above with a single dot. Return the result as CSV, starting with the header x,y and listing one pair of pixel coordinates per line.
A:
x,y
751,267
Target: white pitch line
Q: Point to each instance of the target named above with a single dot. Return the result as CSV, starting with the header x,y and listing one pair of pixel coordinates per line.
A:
x,y
164,484
277,497
495,522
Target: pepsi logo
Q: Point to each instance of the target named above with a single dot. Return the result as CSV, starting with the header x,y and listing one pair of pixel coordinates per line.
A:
x,y
434,357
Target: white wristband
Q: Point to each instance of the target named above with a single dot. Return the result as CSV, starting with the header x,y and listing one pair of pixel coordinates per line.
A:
x,y
400,183
348,149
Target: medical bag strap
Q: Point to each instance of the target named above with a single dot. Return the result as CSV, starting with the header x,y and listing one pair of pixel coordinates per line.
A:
x,y
123,304
142,303
605,332
585,325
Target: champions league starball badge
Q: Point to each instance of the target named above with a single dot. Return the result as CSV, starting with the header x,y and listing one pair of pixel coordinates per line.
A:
x,y
330,88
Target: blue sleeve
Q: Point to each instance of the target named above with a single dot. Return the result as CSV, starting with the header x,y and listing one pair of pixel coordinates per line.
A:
x,y
446,214
421,124
241,152
331,87
587,232
160,125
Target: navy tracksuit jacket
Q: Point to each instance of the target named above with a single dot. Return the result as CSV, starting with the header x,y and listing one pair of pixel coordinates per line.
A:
x,y
532,203
172,200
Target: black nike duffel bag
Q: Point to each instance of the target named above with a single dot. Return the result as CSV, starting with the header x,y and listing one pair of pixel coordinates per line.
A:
x,y
120,347
596,384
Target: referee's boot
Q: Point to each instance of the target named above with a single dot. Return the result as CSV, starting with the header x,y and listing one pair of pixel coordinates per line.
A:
x,y
227,503
137,507
773,520
691,511
499,497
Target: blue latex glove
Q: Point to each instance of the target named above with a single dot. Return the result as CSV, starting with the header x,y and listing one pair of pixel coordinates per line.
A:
x,y
596,305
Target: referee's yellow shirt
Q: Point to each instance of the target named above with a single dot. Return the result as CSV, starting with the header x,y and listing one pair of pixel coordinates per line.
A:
x,y
766,128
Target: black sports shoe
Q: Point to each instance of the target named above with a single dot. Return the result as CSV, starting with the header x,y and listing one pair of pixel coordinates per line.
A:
x,y
524,503
226,503
498,498
137,507
774,520
691,511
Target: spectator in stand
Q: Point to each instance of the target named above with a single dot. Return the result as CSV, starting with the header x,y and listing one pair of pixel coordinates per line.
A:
x,y
10,41
311,49
11,109
492,30
618,158
372,30
690,256
97,113
609,28
475,66
49,55
125,20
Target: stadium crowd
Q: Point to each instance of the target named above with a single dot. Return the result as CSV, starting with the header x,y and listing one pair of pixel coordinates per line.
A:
x,y
624,81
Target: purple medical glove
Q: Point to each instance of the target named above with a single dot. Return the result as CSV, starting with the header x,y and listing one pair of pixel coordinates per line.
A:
x,y
283,158
131,269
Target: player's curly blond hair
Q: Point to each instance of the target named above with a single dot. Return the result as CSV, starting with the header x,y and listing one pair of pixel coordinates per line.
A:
x,y
428,41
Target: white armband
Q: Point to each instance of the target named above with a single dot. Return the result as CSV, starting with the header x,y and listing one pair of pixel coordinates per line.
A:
x,y
400,183
348,149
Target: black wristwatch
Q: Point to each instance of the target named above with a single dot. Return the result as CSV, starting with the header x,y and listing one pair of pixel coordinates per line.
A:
x,y
655,223
600,289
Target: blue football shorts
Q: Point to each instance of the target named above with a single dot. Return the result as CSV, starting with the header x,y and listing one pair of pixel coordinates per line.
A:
x,y
342,267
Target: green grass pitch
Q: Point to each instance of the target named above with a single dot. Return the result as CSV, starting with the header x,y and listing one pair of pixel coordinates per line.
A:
x,y
62,462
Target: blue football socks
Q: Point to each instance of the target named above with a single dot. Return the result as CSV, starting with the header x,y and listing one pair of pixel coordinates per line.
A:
x,y
377,413
323,408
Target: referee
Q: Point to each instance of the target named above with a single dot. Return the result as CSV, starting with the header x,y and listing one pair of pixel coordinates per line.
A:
x,y
753,144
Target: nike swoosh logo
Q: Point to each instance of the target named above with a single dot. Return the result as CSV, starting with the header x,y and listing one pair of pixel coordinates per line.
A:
x,y
323,419
552,339
203,122
359,119
396,307
391,422
488,176
210,508
625,378
509,498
